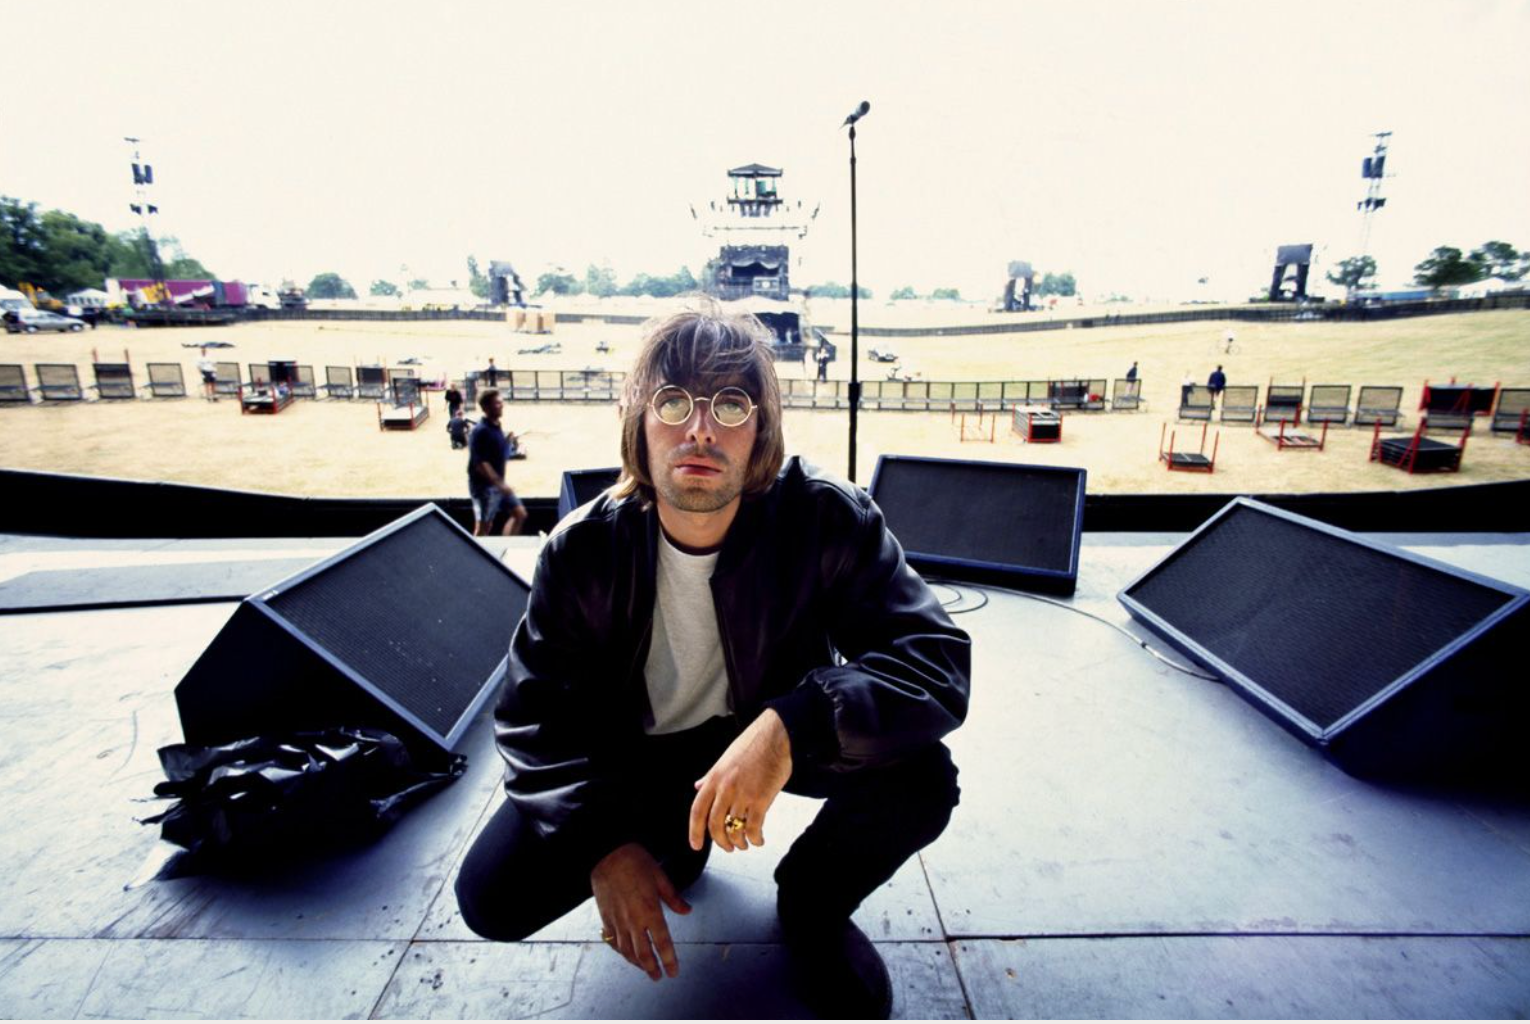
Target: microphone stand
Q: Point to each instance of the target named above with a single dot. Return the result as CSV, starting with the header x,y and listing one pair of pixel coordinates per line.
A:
x,y
855,323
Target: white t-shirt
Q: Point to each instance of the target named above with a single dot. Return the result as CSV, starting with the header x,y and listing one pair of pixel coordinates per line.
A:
x,y
687,679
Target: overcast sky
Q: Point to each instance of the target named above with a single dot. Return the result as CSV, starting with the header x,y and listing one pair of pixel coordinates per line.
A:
x,y
1141,146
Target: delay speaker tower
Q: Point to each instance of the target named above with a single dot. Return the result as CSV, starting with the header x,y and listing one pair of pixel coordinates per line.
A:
x,y
993,522
1391,663
407,630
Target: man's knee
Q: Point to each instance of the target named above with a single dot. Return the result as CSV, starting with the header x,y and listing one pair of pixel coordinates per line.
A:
x,y
927,792
511,883
922,787
476,908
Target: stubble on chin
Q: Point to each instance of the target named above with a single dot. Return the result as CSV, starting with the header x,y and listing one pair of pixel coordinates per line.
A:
x,y
697,499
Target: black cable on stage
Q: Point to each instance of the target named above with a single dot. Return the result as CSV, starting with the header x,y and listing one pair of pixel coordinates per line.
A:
x,y
983,588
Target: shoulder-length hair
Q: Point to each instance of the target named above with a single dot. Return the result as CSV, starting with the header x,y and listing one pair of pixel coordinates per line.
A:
x,y
703,350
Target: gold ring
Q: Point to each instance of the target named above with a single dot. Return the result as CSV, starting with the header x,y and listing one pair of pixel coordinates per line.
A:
x,y
609,940
732,824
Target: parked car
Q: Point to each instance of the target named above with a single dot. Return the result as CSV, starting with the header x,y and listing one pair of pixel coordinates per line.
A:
x,y
33,320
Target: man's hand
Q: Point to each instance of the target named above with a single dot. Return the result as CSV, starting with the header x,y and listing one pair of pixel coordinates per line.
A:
x,y
628,885
743,783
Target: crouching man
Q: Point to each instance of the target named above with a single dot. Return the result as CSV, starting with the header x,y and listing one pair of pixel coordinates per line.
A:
x,y
716,629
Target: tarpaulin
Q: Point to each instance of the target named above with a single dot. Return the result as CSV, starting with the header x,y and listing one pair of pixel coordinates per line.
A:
x,y
263,799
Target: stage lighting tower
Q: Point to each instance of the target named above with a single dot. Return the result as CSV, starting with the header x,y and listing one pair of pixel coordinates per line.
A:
x,y
143,181
1373,169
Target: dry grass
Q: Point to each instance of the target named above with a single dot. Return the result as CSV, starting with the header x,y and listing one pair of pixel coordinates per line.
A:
x,y
336,448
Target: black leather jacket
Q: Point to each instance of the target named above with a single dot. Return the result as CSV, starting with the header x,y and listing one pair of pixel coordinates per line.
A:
x,y
808,569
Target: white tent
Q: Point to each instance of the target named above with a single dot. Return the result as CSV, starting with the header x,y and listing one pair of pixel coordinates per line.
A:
x,y
88,298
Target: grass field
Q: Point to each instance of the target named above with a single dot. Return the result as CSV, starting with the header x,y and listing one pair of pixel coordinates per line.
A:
x,y
336,448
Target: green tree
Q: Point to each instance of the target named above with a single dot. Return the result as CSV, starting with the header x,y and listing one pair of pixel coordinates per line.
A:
x,y
834,290
640,284
134,255
181,266
418,283
559,284
600,281
1498,260
1058,284
478,282
330,285
906,292
953,294
1353,272
683,281
1446,267
77,253
678,283
131,255
381,287
22,245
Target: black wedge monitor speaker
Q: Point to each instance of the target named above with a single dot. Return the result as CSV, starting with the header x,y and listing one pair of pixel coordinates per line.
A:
x,y
582,485
987,522
407,630
1391,663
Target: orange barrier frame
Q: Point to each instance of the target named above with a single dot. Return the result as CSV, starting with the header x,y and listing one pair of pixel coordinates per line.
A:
x,y
1296,442
1189,462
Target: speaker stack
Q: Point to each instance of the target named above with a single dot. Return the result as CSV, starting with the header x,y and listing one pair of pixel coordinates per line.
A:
x,y
1391,663
986,522
408,630
583,485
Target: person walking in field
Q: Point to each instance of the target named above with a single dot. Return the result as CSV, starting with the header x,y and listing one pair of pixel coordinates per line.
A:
x,y
486,472
209,371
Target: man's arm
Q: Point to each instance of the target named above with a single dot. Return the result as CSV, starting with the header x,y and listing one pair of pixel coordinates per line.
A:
x,y
903,685
548,727
905,677
742,785
486,470
495,480
550,717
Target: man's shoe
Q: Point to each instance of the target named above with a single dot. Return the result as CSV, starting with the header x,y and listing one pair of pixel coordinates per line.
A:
x,y
837,971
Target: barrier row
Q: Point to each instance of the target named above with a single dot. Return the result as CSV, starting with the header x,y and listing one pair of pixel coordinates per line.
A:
x,y
1449,406
1441,406
61,382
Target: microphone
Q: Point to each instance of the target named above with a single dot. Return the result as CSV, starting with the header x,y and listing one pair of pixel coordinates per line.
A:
x,y
858,113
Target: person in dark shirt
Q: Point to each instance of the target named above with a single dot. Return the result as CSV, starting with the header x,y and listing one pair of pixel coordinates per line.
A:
x,y
486,472
453,401
1132,373
457,429
1215,383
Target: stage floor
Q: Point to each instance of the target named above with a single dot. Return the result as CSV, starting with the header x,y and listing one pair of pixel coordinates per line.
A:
x,y
1132,841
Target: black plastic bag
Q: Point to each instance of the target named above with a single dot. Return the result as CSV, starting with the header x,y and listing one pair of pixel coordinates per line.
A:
x,y
268,800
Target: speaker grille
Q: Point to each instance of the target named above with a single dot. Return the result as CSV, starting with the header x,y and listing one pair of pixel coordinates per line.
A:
x,y
988,512
1320,622
425,618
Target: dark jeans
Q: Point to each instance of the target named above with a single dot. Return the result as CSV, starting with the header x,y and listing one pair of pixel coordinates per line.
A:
x,y
514,881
